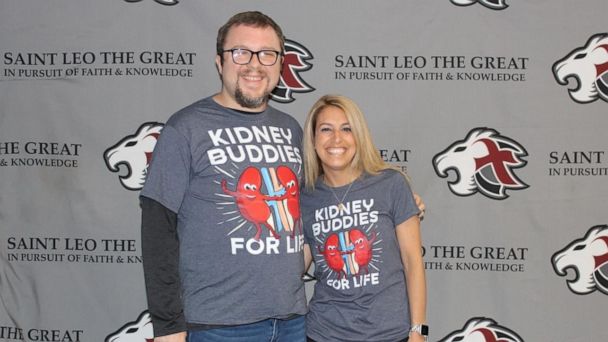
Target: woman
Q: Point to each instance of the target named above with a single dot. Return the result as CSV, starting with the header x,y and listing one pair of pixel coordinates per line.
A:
x,y
362,230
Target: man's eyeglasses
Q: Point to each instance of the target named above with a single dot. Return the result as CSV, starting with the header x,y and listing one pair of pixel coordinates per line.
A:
x,y
243,56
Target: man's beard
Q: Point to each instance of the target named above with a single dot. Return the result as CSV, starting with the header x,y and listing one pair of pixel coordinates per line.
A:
x,y
250,102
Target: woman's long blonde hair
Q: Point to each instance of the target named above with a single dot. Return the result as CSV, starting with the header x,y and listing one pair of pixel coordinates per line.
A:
x,y
367,158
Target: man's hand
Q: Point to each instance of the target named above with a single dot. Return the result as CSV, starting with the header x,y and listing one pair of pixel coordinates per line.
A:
x,y
421,206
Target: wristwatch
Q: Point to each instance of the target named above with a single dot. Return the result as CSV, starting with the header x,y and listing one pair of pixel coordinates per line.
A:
x,y
422,329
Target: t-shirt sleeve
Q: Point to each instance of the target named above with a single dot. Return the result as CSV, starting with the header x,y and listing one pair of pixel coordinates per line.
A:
x,y
308,238
169,171
307,218
404,205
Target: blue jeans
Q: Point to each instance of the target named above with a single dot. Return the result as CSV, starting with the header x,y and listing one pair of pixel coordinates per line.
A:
x,y
269,330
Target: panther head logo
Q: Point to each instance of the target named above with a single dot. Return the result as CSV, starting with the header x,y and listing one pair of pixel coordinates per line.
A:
x,y
588,257
482,329
296,61
134,152
492,4
484,162
139,331
587,65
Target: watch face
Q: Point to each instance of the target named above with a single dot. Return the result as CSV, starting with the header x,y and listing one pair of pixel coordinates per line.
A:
x,y
424,330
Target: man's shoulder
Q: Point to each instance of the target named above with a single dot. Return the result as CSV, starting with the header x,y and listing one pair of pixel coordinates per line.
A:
x,y
193,111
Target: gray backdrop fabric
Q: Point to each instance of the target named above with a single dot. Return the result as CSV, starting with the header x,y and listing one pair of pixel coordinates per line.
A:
x,y
497,109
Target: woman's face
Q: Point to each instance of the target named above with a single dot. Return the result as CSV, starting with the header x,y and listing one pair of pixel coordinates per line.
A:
x,y
334,141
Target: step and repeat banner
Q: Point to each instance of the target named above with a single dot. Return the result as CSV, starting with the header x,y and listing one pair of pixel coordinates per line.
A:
x,y
497,109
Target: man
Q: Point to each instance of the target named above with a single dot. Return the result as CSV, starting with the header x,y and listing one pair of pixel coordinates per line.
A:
x,y
221,249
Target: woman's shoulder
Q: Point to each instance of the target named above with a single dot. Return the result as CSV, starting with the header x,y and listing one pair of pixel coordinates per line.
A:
x,y
387,180
389,175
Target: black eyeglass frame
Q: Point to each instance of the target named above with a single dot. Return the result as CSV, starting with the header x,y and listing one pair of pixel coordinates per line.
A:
x,y
256,53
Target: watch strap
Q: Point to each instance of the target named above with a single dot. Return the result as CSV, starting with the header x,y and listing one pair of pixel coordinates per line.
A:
x,y
422,329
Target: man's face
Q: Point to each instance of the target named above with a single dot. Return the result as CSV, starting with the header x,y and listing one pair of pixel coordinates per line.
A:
x,y
247,87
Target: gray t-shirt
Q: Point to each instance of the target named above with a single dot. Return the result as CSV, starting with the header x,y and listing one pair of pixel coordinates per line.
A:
x,y
225,173
360,293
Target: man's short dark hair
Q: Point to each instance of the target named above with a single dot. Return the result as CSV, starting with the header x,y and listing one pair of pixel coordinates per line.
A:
x,y
252,18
